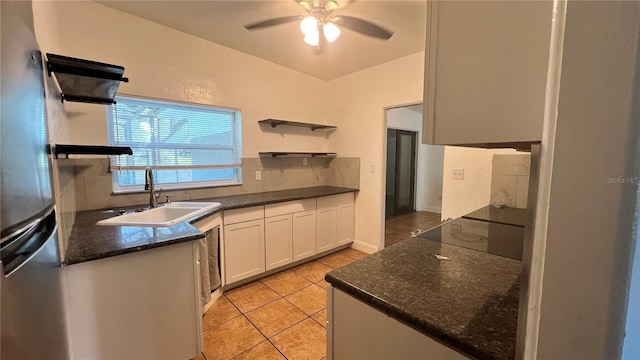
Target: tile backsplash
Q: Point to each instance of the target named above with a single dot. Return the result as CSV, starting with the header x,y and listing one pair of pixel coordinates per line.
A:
x,y
510,180
62,173
93,188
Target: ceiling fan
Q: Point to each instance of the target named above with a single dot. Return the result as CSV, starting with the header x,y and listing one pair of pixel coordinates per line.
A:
x,y
321,25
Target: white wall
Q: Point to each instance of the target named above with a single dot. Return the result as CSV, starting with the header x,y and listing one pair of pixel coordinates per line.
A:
x,y
585,223
510,180
460,197
168,64
429,160
359,102
164,63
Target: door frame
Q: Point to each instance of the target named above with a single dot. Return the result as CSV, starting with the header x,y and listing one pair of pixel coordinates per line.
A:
x,y
414,139
383,174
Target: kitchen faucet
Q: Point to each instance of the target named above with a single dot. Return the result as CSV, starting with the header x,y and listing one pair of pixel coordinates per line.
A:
x,y
150,185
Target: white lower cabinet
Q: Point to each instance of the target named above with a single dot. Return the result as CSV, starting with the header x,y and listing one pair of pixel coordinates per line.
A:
x,y
335,221
278,241
326,228
263,238
356,330
144,304
345,223
304,234
244,250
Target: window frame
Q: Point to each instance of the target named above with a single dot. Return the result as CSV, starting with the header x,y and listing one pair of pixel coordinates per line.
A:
x,y
117,188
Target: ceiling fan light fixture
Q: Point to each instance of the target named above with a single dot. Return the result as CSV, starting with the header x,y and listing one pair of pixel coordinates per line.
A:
x,y
331,31
309,25
312,38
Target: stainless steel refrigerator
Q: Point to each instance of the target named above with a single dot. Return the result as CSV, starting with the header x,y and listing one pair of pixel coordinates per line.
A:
x,y
31,298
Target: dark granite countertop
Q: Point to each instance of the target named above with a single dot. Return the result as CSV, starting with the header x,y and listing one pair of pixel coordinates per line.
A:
x,y
493,238
89,241
500,215
468,302
270,197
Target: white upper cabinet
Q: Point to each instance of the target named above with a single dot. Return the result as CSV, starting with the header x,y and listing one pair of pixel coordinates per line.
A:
x,y
485,71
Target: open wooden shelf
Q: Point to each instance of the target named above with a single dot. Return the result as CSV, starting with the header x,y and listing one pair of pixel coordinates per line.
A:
x,y
60,149
275,122
84,80
296,154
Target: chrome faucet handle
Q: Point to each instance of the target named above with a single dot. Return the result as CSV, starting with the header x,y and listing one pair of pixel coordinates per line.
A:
x,y
157,194
168,198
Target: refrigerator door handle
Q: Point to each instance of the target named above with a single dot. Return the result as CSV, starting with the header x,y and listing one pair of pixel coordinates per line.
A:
x,y
27,246
26,227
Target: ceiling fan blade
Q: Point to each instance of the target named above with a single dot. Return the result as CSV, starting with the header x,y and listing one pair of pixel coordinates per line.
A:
x,y
272,22
363,27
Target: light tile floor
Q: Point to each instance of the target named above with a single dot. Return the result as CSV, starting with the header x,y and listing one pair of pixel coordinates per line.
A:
x,y
399,228
279,317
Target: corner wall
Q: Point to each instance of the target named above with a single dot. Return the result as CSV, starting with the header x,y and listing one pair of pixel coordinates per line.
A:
x,y
587,246
358,105
64,186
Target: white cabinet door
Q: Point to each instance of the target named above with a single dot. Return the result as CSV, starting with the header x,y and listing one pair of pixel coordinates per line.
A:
x,y
304,234
244,250
326,228
140,305
278,241
345,223
352,324
485,71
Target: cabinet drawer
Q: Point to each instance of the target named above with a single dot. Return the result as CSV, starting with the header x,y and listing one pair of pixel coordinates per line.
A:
x,y
289,207
335,199
244,214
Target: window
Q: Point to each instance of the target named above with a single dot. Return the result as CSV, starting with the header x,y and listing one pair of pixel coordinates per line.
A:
x,y
187,145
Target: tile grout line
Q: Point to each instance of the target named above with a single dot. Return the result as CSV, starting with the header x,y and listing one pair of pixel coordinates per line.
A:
x,y
279,296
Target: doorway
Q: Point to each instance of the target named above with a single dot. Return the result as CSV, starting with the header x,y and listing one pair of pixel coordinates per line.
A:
x,y
419,191
401,172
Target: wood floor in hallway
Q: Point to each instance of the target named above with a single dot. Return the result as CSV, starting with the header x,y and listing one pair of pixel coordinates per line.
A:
x,y
398,228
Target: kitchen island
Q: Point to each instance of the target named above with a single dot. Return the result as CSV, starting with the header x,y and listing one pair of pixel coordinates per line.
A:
x,y
462,299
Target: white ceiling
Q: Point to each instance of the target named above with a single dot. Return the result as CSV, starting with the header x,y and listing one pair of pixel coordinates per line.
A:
x,y
222,22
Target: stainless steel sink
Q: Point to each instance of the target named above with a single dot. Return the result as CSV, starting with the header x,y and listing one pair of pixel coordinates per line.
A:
x,y
165,215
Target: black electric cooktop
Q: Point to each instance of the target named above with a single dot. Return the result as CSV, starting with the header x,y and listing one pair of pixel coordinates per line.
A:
x,y
493,238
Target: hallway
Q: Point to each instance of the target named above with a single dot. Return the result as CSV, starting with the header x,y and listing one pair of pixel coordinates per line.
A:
x,y
398,228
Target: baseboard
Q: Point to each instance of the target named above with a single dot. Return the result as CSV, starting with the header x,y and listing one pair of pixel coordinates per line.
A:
x,y
433,209
364,247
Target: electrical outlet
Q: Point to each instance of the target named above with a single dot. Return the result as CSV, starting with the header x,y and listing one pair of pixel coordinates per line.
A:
x,y
456,228
304,161
457,174
258,175
372,169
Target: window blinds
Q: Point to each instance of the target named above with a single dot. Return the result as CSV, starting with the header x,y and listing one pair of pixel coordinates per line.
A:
x,y
173,136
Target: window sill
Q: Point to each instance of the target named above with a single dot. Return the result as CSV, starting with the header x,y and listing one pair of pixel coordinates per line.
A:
x,y
172,188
